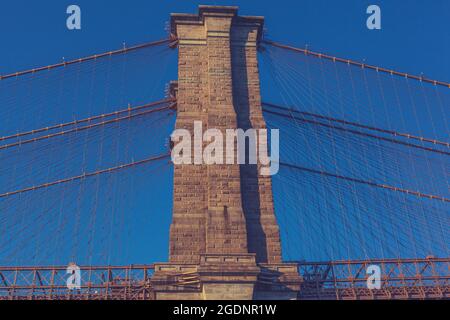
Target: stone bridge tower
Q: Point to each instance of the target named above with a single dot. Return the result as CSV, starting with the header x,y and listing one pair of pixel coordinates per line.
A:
x,y
224,238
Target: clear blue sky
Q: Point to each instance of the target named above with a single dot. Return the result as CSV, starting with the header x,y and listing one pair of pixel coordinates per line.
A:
x,y
415,38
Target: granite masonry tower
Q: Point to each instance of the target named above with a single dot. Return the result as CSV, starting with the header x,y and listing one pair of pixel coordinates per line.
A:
x,y
224,237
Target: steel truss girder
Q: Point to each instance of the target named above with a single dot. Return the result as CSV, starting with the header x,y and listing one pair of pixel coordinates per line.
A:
x,y
343,280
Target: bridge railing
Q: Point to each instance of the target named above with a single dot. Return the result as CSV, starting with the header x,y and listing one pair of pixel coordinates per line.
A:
x,y
110,282
399,279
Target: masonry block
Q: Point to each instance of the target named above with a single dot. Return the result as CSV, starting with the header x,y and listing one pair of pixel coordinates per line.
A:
x,y
223,214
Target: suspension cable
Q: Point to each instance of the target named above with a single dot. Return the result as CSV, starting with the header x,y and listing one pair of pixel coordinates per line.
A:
x,y
85,175
78,129
88,58
356,132
89,119
355,63
367,182
355,124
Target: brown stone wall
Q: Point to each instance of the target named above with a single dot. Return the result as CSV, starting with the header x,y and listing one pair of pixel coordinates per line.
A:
x,y
257,198
187,232
220,208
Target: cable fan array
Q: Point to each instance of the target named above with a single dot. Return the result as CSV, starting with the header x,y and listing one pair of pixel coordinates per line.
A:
x,y
85,176
364,157
83,154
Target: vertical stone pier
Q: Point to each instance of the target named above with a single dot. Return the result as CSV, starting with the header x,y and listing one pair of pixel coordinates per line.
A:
x,y
224,237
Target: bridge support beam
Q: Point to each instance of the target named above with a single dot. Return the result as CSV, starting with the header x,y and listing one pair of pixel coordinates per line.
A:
x,y
223,214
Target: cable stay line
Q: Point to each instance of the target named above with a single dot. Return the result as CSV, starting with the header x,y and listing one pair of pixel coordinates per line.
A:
x,y
89,119
89,58
356,132
355,124
79,129
367,182
355,63
86,175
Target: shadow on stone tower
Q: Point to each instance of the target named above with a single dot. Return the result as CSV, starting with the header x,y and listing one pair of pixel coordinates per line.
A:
x,y
224,237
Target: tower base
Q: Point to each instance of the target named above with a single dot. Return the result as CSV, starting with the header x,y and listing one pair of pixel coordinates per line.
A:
x,y
226,277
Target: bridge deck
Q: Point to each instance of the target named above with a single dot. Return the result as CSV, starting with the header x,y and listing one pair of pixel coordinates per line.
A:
x,y
341,280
